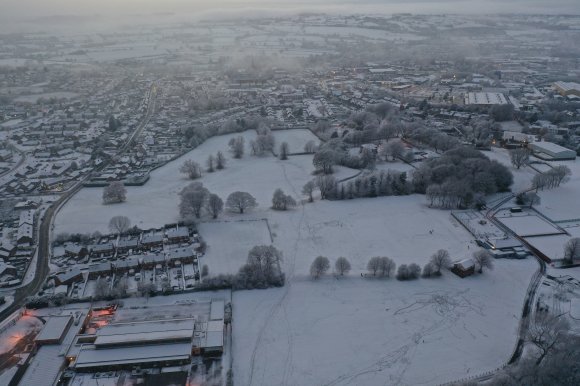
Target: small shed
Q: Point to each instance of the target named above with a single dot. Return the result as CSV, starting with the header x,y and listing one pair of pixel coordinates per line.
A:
x,y
463,268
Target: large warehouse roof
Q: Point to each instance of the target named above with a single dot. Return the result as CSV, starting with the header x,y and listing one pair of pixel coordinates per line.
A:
x,y
147,327
144,337
90,357
553,150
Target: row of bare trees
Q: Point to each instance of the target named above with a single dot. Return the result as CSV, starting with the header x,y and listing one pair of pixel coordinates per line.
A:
x,y
321,265
197,200
552,178
382,266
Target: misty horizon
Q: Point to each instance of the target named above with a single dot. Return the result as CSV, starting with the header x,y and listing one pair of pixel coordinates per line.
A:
x,y
32,10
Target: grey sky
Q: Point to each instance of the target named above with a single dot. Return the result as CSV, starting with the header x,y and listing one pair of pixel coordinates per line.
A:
x,y
29,9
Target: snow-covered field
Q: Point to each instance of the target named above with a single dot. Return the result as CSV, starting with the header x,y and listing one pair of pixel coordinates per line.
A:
x,y
398,227
155,203
352,330
551,246
296,139
374,332
522,177
562,203
529,225
229,243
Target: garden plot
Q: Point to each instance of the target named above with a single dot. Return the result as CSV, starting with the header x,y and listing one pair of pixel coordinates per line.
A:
x,y
229,243
354,331
530,225
296,139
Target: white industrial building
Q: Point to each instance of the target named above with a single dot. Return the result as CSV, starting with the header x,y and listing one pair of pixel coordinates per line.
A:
x,y
485,98
567,88
552,152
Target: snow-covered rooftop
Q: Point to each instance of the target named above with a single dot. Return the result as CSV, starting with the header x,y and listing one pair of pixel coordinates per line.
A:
x,y
90,356
55,328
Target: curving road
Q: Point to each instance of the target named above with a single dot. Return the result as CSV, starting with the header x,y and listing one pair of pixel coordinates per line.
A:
x,y
534,283
43,252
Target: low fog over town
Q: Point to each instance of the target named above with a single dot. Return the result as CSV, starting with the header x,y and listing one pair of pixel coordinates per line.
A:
x,y
290,195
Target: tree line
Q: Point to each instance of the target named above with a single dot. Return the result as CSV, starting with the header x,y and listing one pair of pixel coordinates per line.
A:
x,y
385,267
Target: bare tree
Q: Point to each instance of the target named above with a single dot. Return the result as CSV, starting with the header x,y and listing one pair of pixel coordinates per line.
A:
x,y
552,178
121,287
266,141
119,224
310,147
319,267
281,201
255,148
193,199
546,332
284,150
321,126
220,161
215,205
323,160
403,272
114,193
342,266
561,174
374,265
408,272
326,185
428,270
237,146
395,149
440,259
146,289
266,260
414,271
528,198
572,250
308,189
483,259
102,288
191,169
240,201
387,130
387,266
210,164
520,157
